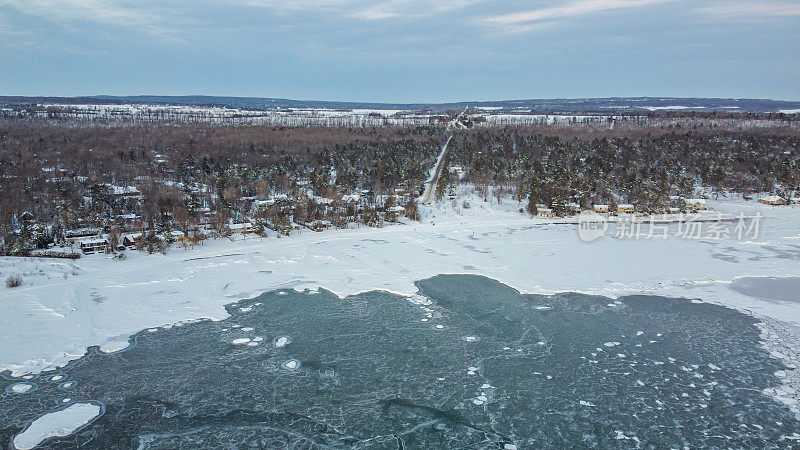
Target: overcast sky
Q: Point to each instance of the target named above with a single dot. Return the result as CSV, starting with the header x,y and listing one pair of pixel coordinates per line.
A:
x,y
402,50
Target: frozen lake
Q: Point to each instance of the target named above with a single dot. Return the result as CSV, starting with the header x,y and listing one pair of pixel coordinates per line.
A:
x,y
470,362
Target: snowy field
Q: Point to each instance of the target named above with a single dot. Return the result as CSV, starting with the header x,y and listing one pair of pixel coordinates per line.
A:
x,y
65,306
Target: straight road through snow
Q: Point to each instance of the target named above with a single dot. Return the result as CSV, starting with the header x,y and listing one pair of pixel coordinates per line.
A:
x,y
430,185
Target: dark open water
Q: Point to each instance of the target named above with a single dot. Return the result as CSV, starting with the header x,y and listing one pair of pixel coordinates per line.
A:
x,y
482,367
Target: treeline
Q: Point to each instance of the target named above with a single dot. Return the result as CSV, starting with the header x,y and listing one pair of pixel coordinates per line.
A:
x,y
643,166
56,177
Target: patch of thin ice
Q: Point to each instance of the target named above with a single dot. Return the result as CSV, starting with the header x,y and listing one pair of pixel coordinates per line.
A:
x,y
782,341
419,300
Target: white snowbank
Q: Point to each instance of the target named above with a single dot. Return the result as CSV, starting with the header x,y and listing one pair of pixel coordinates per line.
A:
x,y
56,424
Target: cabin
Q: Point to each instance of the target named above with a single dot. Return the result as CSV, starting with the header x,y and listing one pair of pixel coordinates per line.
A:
x,y
241,228
80,234
319,225
543,211
601,209
696,204
625,208
131,239
573,208
393,213
773,200
93,245
458,171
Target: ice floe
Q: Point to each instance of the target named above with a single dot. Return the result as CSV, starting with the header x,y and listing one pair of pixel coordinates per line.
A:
x,y
56,424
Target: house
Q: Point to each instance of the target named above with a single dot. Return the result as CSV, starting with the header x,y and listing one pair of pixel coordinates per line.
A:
x,y
123,191
794,200
773,200
394,212
573,208
73,236
351,198
241,228
176,234
319,225
625,208
93,245
131,239
696,204
601,208
543,211
458,171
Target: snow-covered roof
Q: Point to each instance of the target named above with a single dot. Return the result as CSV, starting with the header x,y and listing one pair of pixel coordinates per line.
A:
x,y
123,190
772,198
351,198
239,226
94,241
696,201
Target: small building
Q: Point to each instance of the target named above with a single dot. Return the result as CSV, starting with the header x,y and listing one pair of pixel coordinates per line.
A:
x,y
319,225
545,212
601,209
93,245
573,208
351,198
393,213
458,171
80,234
773,200
696,204
625,208
241,228
131,239
175,234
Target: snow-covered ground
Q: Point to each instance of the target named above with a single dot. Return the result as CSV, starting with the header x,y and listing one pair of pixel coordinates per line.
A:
x,y
65,306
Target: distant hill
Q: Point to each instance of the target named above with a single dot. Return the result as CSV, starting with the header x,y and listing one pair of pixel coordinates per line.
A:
x,y
551,106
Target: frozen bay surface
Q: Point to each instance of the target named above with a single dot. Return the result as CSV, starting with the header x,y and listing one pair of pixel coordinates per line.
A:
x,y
468,362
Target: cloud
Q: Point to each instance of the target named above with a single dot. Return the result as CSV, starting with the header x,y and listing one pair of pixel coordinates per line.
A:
x,y
536,18
752,9
141,15
411,8
369,10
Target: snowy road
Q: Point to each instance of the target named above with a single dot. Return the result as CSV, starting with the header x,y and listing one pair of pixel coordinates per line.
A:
x,y
430,185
